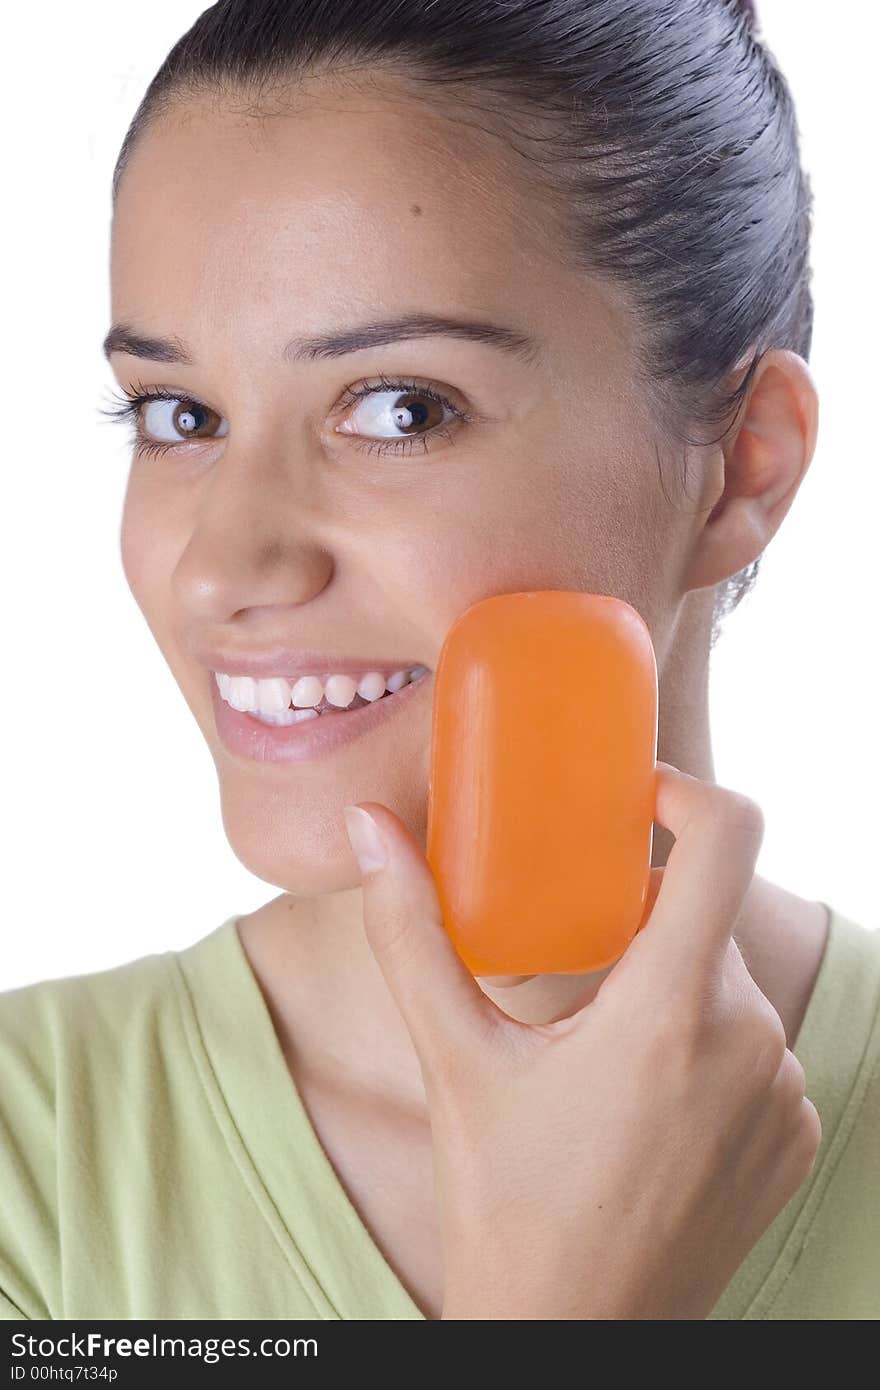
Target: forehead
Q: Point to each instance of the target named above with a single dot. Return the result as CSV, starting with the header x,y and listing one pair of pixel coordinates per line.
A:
x,y
236,228
357,192
335,206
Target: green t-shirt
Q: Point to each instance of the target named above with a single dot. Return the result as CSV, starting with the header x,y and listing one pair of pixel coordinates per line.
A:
x,y
157,1162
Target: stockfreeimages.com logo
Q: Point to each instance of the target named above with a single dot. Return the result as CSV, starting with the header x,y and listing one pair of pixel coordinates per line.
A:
x,y
207,1349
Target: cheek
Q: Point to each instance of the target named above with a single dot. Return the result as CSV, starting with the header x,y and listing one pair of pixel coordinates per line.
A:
x,y
488,543
612,526
133,544
149,549
543,517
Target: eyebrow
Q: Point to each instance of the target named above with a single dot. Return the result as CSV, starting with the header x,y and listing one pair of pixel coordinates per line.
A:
x,y
341,341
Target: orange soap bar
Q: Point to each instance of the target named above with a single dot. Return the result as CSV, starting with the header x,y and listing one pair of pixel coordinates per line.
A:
x,y
542,784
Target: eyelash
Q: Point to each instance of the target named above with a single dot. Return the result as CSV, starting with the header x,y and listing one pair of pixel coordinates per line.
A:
x,y
128,405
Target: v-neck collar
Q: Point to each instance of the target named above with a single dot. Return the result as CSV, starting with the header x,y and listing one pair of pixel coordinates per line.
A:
x,y
273,1141
297,1188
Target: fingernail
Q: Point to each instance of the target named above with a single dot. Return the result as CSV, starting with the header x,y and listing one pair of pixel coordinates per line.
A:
x,y
366,842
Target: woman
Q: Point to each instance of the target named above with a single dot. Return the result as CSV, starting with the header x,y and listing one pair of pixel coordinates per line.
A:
x,y
413,304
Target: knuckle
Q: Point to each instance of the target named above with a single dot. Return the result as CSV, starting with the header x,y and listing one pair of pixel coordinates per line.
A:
x,y
734,976
787,1095
793,1076
753,1030
772,1044
741,812
807,1137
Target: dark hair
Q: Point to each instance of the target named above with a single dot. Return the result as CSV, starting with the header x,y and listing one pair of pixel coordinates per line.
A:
x,y
661,130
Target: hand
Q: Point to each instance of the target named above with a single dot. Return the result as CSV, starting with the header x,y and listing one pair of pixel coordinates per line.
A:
x,y
621,1162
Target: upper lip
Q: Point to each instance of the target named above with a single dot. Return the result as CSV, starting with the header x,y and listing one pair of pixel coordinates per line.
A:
x,y
289,661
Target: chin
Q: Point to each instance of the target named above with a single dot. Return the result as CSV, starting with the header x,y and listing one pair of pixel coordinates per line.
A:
x,y
304,851
296,839
300,880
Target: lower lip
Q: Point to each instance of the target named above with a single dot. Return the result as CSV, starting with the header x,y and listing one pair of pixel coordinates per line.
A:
x,y
247,737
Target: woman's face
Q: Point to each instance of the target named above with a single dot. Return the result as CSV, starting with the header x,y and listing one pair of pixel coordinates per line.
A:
x,y
298,516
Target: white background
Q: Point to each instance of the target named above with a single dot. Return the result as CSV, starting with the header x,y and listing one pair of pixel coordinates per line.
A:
x,y
112,832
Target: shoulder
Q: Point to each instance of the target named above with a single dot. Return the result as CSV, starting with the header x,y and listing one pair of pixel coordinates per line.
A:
x,y
45,1027
69,1051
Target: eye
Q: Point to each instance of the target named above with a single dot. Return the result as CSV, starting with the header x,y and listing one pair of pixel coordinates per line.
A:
x,y
398,416
174,419
164,421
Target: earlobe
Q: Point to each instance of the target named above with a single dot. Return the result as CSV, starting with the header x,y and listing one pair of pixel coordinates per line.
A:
x,y
763,461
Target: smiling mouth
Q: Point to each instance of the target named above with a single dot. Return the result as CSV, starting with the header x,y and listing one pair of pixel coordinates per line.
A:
x,y
279,702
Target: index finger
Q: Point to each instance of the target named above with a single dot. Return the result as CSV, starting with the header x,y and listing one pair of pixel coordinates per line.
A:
x,y
718,834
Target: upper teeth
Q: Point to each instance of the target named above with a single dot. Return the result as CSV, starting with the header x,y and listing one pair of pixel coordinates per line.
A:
x,y
275,695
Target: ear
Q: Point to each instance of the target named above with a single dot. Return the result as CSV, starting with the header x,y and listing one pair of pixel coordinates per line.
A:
x,y
761,465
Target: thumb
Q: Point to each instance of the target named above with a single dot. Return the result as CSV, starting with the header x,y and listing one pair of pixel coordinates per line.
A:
x,y
442,1005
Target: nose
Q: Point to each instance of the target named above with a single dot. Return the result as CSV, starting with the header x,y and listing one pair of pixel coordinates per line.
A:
x,y
255,541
